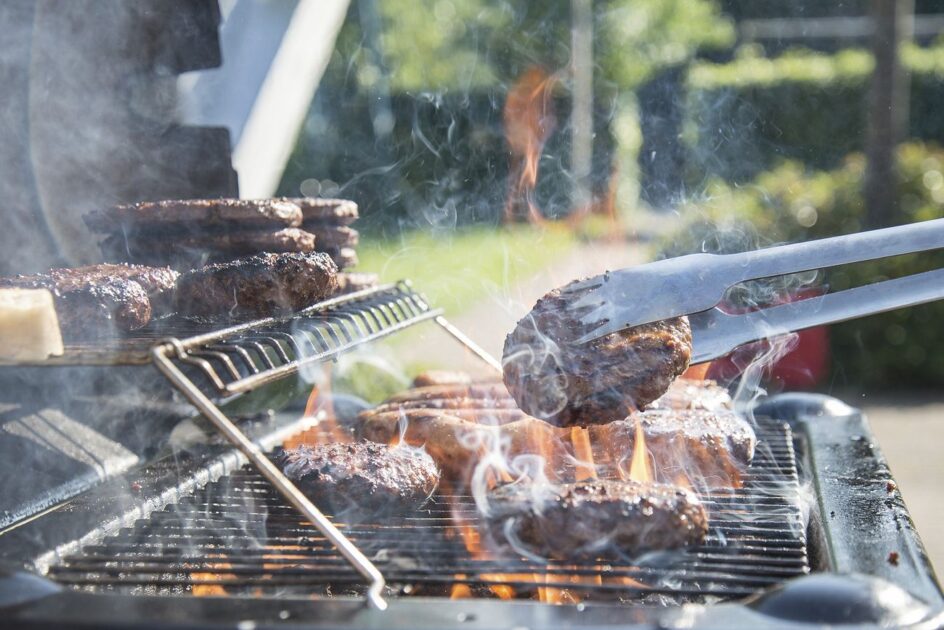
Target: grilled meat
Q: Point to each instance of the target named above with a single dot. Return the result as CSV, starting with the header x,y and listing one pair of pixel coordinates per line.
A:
x,y
595,518
362,476
333,237
709,449
350,282
343,257
686,393
457,443
98,300
193,250
488,391
318,212
257,286
194,215
554,378
441,377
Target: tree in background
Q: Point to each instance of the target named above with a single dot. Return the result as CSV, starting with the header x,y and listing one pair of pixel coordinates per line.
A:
x,y
446,67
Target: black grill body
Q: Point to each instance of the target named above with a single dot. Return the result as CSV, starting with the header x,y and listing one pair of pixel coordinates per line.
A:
x,y
230,551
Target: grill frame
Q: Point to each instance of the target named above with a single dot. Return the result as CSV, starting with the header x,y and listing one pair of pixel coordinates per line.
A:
x,y
822,427
234,514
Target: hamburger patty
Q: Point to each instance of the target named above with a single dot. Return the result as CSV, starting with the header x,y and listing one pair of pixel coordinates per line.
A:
x,y
191,250
323,212
556,379
686,393
361,475
351,282
441,377
595,518
331,237
98,300
257,286
194,215
343,257
709,449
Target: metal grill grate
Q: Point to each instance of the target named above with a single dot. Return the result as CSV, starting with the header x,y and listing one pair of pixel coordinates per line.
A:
x,y
242,358
238,537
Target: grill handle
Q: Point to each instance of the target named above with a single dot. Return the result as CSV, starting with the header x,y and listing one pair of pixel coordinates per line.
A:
x,y
270,471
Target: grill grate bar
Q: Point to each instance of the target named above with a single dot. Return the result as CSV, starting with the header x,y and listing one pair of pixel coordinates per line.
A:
x,y
236,535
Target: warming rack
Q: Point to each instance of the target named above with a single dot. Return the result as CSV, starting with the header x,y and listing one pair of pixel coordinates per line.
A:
x,y
209,369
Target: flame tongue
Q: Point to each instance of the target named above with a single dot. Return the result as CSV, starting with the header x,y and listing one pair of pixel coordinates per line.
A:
x,y
586,469
639,468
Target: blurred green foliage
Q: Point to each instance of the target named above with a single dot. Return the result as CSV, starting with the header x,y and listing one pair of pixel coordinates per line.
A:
x,y
746,115
407,120
432,45
455,268
791,203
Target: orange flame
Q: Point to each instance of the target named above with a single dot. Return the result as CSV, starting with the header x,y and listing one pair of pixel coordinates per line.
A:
x,y
203,581
639,468
529,121
580,438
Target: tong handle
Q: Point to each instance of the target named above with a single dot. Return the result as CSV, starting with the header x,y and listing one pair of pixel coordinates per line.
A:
x,y
715,333
837,250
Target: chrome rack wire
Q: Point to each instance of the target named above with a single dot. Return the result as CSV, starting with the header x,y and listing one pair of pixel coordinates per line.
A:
x,y
241,358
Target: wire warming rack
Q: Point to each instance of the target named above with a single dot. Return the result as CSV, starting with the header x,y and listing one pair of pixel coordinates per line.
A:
x,y
212,367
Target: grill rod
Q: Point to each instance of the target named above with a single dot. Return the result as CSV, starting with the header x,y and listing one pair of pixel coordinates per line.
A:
x,y
475,348
269,470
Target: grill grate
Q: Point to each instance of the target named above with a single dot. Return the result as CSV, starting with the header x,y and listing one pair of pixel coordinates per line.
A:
x,y
238,537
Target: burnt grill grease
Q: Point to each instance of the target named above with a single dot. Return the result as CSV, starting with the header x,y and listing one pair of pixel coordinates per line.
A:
x,y
556,379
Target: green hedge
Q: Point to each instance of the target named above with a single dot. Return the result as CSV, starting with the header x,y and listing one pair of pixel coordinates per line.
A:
x,y
790,203
747,115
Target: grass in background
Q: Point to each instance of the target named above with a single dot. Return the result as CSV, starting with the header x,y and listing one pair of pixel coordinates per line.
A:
x,y
455,269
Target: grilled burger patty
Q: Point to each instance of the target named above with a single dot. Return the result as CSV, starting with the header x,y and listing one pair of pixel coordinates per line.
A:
x,y
595,518
192,250
324,212
373,477
556,379
195,215
709,449
351,282
441,377
98,300
343,257
686,393
257,286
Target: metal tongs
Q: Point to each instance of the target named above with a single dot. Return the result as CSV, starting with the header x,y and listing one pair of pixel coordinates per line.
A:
x,y
694,285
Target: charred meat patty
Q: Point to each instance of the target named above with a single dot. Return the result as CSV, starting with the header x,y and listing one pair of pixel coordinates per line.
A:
x,y
182,216
554,378
709,449
99,300
362,476
257,286
595,518
685,393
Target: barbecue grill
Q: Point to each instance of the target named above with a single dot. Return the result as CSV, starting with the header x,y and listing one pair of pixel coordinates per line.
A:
x,y
202,536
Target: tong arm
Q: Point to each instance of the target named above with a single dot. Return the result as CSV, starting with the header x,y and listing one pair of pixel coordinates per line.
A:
x,y
695,283
716,333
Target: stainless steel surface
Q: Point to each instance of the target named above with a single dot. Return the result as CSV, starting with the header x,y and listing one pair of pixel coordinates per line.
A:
x,y
715,333
242,358
695,283
270,471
